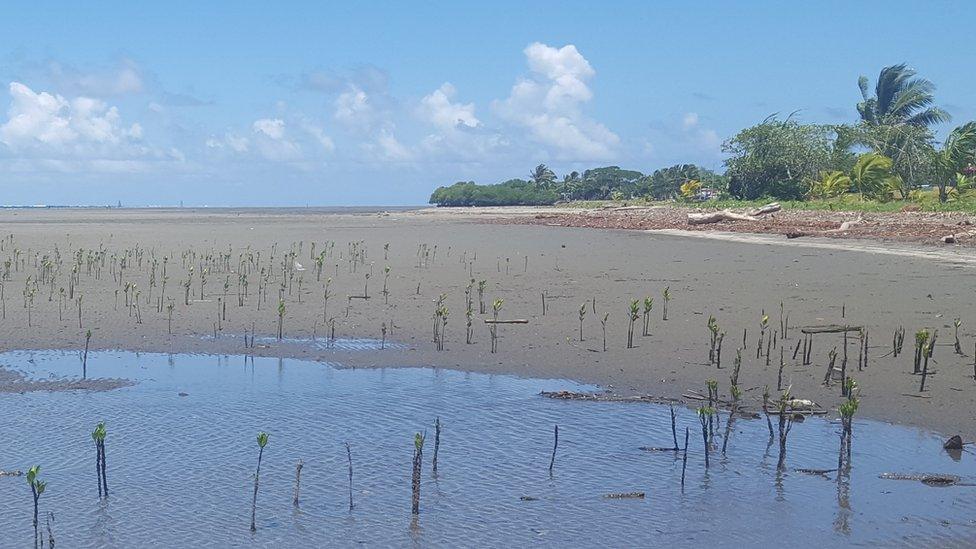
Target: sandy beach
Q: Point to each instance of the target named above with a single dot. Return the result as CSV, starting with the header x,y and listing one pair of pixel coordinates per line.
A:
x,y
430,253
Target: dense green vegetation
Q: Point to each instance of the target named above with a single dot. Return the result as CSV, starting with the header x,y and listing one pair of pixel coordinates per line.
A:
x,y
515,192
890,153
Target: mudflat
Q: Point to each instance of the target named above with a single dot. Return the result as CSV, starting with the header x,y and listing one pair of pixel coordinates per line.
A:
x,y
736,280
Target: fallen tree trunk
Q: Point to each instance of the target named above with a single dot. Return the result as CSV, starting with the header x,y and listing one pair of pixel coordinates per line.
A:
x,y
728,215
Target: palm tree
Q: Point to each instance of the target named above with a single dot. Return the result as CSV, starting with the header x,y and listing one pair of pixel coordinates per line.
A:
x,y
957,154
543,176
899,98
871,173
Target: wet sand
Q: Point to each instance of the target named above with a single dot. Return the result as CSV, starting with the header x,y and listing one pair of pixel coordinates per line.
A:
x,y
732,279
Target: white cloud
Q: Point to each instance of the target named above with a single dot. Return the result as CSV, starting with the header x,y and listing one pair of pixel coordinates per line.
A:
x,y
271,127
390,148
548,103
318,134
45,124
276,140
690,120
354,110
438,109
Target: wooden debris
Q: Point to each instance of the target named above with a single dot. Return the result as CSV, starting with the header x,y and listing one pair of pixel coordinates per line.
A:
x,y
956,237
819,472
830,329
934,479
626,495
844,227
604,397
728,215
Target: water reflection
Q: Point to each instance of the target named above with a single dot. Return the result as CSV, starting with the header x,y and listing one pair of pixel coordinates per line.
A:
x,y
181,466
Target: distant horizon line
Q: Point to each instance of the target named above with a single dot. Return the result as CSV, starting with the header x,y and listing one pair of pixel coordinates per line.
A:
x,y
204,206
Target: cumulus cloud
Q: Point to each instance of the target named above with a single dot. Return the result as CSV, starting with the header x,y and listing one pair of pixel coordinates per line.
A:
x,y
271,127
439,109
42,122
548,103
355,110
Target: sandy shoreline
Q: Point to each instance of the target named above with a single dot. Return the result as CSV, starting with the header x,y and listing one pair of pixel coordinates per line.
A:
x,y
734,279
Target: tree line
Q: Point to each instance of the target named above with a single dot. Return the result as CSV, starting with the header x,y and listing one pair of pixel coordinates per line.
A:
x,y
890,152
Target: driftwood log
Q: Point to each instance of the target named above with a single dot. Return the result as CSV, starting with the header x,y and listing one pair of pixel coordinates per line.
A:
x,y
728,215
513,321
844,227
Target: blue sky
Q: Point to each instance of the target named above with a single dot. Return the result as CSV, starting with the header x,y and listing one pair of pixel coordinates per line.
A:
x,y
294,103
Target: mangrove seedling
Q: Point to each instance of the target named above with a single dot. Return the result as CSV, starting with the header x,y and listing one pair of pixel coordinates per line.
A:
x,y
84,360
555,445
785,408
98,437
437,443
779,373
956,324
298,481
847,411
481,295
897,341
262,439
712,325
684,461
736,395
603,324
712,386
495,307
634,314
281,317
763,324
582,315
921,338
349,460
418,460
674,431
667,299
468,318
765,408
926,353
704,417
648,305
37,488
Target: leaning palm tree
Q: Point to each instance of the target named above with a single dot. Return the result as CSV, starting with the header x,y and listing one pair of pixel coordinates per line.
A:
x,y
543,176
957,154
899,98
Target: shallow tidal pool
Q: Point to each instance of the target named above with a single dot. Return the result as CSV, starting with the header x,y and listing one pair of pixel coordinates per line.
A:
x,y
181,454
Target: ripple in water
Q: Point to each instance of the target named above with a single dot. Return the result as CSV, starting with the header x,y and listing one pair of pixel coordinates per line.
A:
x,y
180,467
